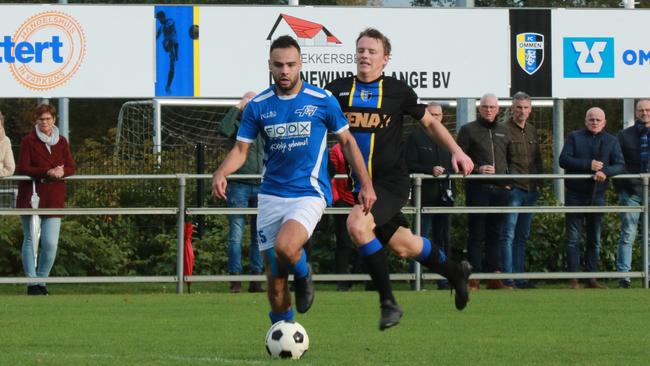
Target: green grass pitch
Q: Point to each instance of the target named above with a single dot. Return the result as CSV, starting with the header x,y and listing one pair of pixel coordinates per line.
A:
x,y
529,327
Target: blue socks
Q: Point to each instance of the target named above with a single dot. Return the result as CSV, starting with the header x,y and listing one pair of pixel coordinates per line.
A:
x,y
426,252
370,248
276,317
300,269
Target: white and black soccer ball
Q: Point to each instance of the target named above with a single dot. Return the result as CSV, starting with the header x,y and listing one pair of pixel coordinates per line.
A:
x,y
287,339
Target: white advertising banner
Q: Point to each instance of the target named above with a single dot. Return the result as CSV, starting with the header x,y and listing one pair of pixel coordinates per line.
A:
x,y
441,53
601,53
76,51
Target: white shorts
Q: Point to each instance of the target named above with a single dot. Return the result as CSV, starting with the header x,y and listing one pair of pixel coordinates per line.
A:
x,y
275,211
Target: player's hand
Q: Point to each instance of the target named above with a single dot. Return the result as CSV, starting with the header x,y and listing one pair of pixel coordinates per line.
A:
x,y
600,176
367,197
219,184
461,163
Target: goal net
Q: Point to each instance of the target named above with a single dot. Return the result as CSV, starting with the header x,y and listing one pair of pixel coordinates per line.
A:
x,y
170,132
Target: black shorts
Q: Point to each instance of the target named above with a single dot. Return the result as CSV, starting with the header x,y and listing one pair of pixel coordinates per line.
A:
x,y
392,195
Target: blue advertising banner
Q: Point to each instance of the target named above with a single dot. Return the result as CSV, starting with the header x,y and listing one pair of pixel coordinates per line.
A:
x,y
175,56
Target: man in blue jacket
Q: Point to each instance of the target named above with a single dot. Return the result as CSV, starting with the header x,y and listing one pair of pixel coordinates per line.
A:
x,y
588,151
636,151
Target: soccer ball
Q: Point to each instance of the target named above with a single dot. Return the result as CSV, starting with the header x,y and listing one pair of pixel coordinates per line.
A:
x,y
287,339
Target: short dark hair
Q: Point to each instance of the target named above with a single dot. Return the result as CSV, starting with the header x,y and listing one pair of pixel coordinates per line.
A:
x,y
44,108
284,42
374,33
520,96
641,100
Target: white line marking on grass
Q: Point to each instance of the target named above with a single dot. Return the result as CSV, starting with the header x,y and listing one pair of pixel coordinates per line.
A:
x,y
215,360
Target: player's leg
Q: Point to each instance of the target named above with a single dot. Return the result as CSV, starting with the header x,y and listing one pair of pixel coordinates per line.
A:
x,y
361,228
301,217
278,290
289,247
408,245
269,220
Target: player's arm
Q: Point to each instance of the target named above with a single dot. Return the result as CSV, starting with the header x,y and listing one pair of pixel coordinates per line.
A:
x,y
367,196
233,161
460,162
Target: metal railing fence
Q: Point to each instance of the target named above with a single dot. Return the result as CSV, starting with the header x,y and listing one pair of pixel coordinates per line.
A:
x,y
181,211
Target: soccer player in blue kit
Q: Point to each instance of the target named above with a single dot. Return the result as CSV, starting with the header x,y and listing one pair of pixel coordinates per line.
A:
x,y
375,105
293,118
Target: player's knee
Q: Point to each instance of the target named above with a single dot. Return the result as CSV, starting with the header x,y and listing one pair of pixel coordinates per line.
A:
x,y
360,226
286,251
404,245
357,230
402,252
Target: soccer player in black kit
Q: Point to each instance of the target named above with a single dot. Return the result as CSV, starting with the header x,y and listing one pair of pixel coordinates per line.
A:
x,y
375,105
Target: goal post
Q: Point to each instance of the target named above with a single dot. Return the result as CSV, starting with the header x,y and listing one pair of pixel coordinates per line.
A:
x,y
147,126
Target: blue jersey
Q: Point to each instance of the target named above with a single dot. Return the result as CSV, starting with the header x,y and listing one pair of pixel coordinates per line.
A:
x,y
294,129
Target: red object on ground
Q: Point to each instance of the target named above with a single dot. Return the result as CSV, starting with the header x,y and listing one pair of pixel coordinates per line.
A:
x,y
188,258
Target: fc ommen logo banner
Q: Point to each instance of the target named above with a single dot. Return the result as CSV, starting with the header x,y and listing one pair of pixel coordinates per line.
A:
x,y
530,51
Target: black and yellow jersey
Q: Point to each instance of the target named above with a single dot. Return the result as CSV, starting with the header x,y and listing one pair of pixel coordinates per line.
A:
x,y
375,113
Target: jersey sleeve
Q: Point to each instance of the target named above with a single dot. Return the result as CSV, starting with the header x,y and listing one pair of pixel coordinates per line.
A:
x,y
336,120
412,105
249,125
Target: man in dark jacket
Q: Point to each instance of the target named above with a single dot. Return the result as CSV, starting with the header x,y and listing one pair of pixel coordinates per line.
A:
x,y
426,157
636,151
526,158
243,193
487,143
590,150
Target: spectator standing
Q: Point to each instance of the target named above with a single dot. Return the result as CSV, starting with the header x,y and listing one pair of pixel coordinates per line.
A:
x,y
488,144
636,151
44,156
243,193
7,163
424,156
341,197
525,158
590,150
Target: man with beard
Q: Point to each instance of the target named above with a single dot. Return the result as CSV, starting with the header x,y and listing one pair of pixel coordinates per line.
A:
x,y
293,118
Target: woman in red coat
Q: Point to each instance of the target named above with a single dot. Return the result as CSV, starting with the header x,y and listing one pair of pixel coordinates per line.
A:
x,y
45,156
